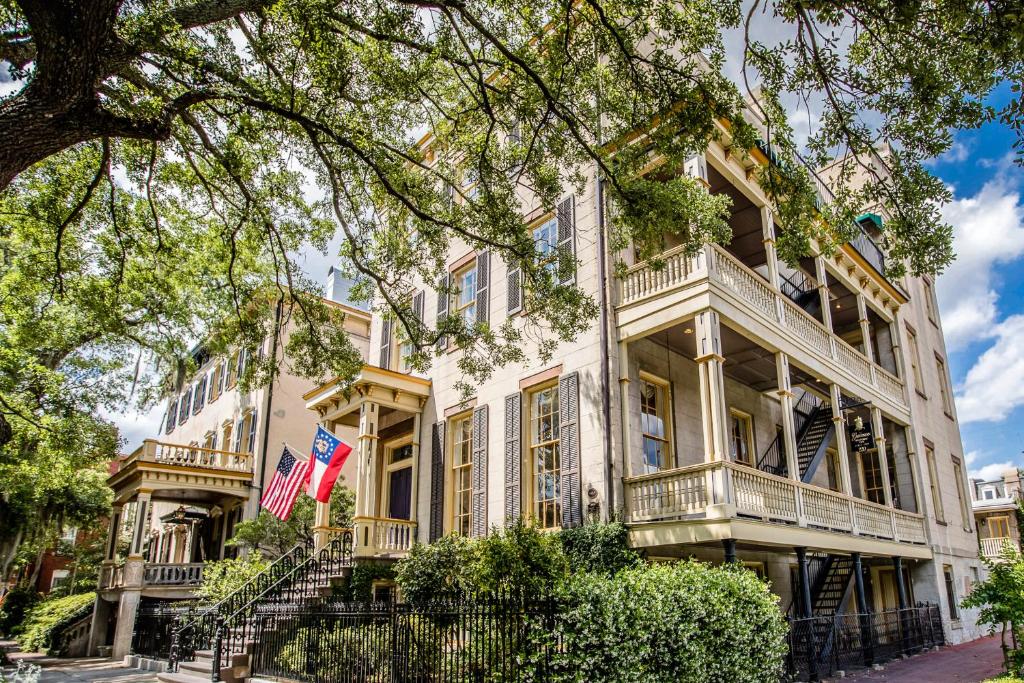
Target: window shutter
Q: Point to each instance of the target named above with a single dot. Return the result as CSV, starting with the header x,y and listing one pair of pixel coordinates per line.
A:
x,y
514,289
417,306
566,214
242,358
214,379
200,397
185,406
568,418
483,279
385,343
513,456
442,306
172,415
252,431
436,481
213,441
479,473
223,367
238,435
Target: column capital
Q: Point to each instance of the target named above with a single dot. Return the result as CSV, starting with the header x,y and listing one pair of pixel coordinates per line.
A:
x,y
707,357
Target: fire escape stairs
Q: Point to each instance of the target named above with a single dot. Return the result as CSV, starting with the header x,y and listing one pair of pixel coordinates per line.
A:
x,y
814,433
831,579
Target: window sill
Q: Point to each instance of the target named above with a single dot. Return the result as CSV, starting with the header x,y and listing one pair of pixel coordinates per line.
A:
x,y
921,393
941,522
949,415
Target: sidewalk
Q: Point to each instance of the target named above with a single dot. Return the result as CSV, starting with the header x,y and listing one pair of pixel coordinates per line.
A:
x,y
84,670
970,662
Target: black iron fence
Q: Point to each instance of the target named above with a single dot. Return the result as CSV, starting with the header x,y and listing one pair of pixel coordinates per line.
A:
x,y
154,628
819,646
481,640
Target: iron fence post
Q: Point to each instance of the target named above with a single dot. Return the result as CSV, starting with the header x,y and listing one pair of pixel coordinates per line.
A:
x,y
218,645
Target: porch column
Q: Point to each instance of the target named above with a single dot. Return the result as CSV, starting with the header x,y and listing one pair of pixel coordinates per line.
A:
x,y
134,570
771,254
843,446
785,393
321,524
865,327
624,406
805,581
112,533
826,302
417,422
901,589
862,609
366,480
729,546
883,456
714,415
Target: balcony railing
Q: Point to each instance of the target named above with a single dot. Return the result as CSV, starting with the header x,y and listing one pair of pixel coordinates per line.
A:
x,y
190,456
686,493
154,574
642,282
383,535
993,547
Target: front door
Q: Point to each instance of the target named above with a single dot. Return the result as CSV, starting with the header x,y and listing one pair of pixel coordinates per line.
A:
x,y
399,484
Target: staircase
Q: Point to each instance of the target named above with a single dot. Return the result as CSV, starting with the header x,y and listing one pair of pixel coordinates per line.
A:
x,y
814,430
831,579
802,289
215,644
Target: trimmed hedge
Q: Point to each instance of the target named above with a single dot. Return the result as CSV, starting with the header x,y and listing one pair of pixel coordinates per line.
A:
x,y
42,623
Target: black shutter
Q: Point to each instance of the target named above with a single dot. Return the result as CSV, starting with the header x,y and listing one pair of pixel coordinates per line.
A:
x,y
483,278
252,432
566,214
479,473
417,306
514,289
172,416
436,481
200,397
185,407
224,375
442,307
513,456
569,447
385,343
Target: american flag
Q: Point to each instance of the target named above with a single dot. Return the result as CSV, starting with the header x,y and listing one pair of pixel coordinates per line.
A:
x,y
291,476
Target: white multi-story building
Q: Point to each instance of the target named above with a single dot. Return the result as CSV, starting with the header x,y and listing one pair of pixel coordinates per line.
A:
x,y
798,419
996,504
179,496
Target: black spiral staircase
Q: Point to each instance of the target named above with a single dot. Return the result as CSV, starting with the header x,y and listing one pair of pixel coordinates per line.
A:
x,y
814,431
214,643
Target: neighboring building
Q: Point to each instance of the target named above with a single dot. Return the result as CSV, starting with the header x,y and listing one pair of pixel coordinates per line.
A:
x,y
54,563
995,512
178,497
798,419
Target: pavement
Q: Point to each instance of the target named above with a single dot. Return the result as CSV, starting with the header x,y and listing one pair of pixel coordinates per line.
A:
x,y
971,662
81,670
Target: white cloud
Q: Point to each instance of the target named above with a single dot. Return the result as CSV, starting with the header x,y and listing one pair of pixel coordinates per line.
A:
x,y
988,229
971,457
994,385
992,471
957,153
135,426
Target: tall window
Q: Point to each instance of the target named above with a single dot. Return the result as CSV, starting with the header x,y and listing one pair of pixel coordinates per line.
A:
x,y
832,460
741,437
965,509
933,482
947,400
545,457
215,382
998,527
545,240
245,433
947,574
462,474
915,360
929,299
655,424
464,304
232,370
871,472
228,428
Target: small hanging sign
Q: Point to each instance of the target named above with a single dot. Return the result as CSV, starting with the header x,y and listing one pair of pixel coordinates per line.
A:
x,y
861,437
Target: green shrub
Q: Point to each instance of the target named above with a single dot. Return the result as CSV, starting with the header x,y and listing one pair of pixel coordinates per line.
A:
x,y
221,578
38,630
442,569
519,559
360,585
16,604
1000,598
670,622
602,548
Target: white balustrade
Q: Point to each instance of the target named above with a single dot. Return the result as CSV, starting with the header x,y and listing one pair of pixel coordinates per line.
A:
x,y
192,456
826,509
872,519
395,535
909,527
764,495
643,280
667,495
992,547
170,574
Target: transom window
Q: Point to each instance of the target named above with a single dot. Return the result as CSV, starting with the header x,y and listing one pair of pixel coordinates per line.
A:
x,y
545,457
741,437
465,294
462,474
654,424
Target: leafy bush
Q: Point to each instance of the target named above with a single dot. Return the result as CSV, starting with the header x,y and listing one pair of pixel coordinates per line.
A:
x,y
360,585
442,569
221,578
16,604
519,559
40,627
274,537
686,621
601,548
1001,599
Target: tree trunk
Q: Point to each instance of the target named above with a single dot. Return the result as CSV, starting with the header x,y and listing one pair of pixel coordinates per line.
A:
x,y
10,551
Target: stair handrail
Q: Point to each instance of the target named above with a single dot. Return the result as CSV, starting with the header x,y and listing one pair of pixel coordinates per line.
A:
x,y
338,551
291,555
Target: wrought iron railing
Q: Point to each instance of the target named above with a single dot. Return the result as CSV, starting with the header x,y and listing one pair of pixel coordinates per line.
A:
x,y
154,628
819,646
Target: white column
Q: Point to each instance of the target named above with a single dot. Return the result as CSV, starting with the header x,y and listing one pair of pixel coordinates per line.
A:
x,y
771,254
883,456
624,407
417,422
843,446
714,415
134,569
785,393
366,481
865,327
821,274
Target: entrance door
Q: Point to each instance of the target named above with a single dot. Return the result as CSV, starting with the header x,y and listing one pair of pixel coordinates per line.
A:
x,y
399,482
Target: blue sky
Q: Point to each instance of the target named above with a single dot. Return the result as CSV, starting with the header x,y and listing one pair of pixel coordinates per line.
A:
x,y
980,295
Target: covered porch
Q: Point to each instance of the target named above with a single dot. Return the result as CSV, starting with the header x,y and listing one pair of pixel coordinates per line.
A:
x,y
385,407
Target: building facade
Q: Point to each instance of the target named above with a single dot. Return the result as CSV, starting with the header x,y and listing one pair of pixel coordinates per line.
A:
x,y
179,496
797,418
996,516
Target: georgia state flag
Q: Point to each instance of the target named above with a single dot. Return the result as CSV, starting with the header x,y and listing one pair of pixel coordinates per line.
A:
x,y
329,454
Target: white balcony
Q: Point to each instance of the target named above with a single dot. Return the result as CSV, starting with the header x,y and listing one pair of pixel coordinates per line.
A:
x,y
991,548
722,492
